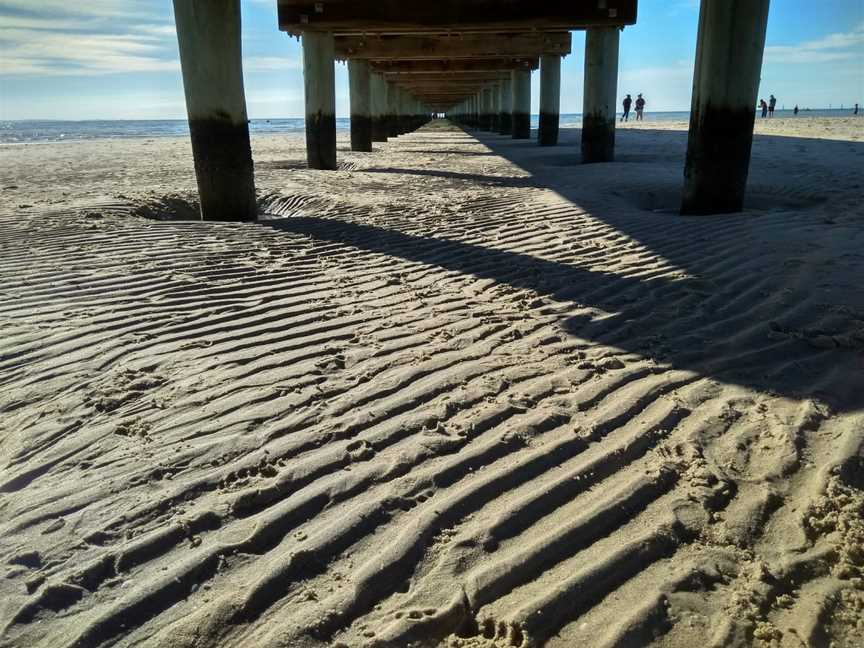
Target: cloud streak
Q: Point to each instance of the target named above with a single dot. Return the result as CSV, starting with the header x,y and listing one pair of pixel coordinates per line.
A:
x,y
90,37
842,46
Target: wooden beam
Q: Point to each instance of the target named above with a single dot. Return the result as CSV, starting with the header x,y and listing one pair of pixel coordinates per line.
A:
x,y
471,46
438,78
422,16
448,66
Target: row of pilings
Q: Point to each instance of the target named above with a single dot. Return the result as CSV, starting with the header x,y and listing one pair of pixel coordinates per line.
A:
x,y
730,46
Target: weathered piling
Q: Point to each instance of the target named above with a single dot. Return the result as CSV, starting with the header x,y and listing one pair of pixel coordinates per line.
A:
x,y
379,108
521,109
550,99
729,53
600,90
486,109
392,111
361,115
320,86
495,108
505,116
208,33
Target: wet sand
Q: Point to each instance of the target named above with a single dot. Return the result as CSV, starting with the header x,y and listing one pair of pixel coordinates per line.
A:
x,y
461,392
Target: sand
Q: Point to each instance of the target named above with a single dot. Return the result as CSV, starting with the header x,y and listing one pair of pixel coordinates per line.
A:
x,y
461,392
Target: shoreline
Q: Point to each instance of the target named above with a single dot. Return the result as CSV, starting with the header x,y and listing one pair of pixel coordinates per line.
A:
x,y
761,125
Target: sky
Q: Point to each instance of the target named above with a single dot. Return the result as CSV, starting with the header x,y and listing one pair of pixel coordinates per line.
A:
x,y
118,59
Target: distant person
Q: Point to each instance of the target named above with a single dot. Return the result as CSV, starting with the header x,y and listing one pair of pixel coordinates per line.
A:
x,y
855,112
640,106
772,102
795,111
627,103
764,107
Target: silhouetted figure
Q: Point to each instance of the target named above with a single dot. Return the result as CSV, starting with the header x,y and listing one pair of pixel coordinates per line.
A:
x,y
764,107
627,103
640,106
796,109
772,101
855,112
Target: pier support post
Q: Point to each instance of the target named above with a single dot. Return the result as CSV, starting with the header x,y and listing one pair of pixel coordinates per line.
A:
x,y
392,110
550,99
319,79
521,103
486,109
208,34
495,109
505,118
725,84
404,121
379,108
601,89
361,115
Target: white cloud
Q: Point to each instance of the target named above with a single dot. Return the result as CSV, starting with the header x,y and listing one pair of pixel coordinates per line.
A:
x,y
89,37
269,63
833,47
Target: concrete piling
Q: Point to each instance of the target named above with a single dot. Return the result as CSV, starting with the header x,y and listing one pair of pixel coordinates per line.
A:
x,y
495,108
600,95
392,110
521,103
361,115
729,53
550,99
486,109
505,118
208,33
320,86
379,108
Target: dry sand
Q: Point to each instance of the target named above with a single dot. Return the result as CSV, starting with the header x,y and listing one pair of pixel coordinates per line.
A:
x,y
459,391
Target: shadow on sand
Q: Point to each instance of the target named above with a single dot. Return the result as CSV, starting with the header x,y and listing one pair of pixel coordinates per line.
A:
x,y
747,306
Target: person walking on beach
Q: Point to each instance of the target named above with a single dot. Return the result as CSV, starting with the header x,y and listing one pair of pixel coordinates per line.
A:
x,y
796,109
627,102
640,106
856,110
772,102
764,107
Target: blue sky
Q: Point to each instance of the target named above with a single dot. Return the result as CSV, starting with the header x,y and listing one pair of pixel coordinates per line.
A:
x,y
118,59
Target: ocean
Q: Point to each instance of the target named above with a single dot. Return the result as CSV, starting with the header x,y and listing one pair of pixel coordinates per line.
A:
x,y
24,132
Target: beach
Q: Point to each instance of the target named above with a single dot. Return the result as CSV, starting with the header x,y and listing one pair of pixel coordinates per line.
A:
x,y
463,391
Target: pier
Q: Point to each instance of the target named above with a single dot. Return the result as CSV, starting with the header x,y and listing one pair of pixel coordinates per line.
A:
x,y
411,60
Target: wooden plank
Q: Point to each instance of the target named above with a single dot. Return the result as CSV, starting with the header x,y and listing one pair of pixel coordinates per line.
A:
x,y
470,46
419,16
449,66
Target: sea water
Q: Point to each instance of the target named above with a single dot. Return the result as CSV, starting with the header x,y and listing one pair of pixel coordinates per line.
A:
x,y
23,132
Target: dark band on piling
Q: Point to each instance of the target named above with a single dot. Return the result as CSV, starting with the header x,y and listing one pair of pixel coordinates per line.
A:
x,y
718,160
521,125
548,133
361,133
223,167
598,139
505,123
321,141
